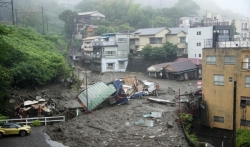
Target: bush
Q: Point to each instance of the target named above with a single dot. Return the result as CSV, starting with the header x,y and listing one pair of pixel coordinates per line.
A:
x,y
36,123
2,118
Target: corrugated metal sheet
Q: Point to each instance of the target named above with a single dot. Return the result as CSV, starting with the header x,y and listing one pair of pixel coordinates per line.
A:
x,y
97,93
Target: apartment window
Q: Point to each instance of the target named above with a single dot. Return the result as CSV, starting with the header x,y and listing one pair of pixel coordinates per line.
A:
x,y
218,119
244,122
218,80
121,64
211,59
122,40
198,44
199,55
244,101
182,39
110,53
110,66
229,60
198,32
155,40
194,55
230,79
181,51
247,81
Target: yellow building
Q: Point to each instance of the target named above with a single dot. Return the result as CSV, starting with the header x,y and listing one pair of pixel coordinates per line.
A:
x,y
157,37
222,69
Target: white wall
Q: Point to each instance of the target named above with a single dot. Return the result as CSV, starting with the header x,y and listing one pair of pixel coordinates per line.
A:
x,y
116,62
193,50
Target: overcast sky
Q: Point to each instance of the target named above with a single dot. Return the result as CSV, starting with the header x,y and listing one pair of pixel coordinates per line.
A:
x,y
237,6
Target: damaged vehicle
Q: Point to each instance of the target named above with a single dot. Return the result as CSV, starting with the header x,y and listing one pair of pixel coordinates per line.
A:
x,y
14,129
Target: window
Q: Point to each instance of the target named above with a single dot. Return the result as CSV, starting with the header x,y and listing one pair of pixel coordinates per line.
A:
x,y
110,66
218,119
219,80
199,55
199,33
181,51
182,39
122,53
229,60
110,53
122,40
230,79
244,122
244,101
247,81
155,40
121,64
211,60
194,55
198,44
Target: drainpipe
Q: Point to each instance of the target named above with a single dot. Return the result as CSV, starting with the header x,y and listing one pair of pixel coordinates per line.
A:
x,y
234,115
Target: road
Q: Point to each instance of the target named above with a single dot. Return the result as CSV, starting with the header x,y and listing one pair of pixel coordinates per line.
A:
x,y
37,138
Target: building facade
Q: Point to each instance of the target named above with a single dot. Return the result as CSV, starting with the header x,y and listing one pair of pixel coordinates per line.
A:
x,y
225,82
110,53
196,37
242,28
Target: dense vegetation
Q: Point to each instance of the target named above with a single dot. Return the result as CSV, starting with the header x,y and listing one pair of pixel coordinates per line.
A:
x,y
166,53
28,59
127,15
242,138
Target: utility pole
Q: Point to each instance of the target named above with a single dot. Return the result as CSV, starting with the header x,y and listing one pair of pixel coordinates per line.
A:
x,y
6,4
42,20
12,10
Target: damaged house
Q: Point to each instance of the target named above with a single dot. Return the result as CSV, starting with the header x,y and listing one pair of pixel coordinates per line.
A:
x,y
180,71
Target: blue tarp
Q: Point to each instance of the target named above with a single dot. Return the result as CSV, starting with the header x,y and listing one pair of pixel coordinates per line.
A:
x,y
120,95
140,94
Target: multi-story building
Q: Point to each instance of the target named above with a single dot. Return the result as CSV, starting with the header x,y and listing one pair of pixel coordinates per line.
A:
x,y
157,37
188,21
149,36
210,36
87,44
225,82
196,37
110,53
242,27
83,20
178,36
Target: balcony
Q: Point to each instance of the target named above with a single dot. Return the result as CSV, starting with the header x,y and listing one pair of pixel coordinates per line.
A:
x,y
245,65
246,29
104,43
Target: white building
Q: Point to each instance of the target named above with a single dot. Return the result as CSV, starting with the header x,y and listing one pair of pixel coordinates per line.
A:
x,y
110,53
196,40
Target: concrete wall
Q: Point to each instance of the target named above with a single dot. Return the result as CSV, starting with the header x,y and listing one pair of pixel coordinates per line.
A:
x,y
193,39
218,100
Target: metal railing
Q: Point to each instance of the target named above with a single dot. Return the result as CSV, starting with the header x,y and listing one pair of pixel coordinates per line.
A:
x,y
226,43
44,120
103,43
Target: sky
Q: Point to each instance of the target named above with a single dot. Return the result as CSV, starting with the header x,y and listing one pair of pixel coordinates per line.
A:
x,y
237,6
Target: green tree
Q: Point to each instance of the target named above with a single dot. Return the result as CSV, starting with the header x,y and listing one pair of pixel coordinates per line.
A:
x,y
68,17
146,51
242,138
158,53
171,51
102,30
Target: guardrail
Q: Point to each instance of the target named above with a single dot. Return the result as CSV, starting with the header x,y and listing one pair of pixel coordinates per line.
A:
x,y
44,120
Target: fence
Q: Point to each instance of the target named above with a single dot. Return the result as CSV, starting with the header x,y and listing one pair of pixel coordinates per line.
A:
x,y
44,120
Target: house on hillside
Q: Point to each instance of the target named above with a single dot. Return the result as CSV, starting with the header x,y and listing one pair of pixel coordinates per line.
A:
x,y
87,44
84,20
90,30
110,53
178,36
148,36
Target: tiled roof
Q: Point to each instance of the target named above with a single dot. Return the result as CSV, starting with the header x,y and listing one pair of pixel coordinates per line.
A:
x,y
177,30
196,61
182,66
149,31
